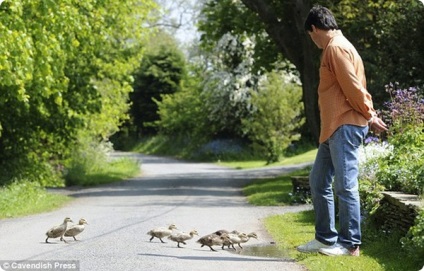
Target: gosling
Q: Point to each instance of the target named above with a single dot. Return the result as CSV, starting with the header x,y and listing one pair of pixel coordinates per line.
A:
x,y
213,240
58,231
246,238
74,230
181,237
234,238
161,232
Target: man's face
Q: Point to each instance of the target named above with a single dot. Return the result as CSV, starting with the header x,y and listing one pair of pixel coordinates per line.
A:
x,y
315,36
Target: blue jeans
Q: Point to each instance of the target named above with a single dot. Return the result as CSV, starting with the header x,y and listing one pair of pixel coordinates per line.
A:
x,y
338,157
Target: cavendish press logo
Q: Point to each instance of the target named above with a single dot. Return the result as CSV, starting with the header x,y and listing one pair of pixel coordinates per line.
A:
x,y
39,265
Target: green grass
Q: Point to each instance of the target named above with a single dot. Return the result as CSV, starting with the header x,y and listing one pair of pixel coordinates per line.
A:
x,y
378,251
25,198
114,171
305,157
272,192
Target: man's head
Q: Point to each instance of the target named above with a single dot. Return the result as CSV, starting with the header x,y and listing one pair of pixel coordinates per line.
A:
x,y
320,21
321,18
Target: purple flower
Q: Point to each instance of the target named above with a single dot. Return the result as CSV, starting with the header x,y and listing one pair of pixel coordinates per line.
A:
x,y
371,139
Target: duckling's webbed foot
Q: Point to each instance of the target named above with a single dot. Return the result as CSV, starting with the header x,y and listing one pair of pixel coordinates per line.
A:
x,y
212,248
161,240
151,238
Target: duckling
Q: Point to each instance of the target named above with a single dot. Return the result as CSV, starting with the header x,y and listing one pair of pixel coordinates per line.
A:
x,y
161,232
181,237
234,238
246,238
59,230
213,240
74,230
220,232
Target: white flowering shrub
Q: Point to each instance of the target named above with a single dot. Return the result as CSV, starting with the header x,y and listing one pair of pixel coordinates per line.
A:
x,y
228,87
369,154
370,188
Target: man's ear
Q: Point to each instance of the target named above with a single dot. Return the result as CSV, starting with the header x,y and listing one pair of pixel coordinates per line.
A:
x,y
314,29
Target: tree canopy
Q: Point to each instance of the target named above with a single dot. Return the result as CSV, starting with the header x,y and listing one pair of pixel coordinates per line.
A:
x,y
382,30
61,66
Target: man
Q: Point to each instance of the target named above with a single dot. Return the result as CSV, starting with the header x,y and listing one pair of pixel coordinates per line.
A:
x,y
347,113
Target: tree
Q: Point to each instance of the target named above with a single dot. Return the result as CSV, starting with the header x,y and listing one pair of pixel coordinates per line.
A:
x,y
161,72
388,34
182,114
61,64
373,26
279,26
228,84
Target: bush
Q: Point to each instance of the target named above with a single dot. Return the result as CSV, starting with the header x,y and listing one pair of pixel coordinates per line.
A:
x,y
413,242
402,170
32,169
370,189
182,113
276,118
88,157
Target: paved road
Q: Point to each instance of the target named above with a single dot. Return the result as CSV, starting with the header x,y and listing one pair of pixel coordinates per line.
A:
x,y
198,196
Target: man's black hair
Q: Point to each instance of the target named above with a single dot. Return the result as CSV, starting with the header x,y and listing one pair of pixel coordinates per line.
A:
x,y
320,17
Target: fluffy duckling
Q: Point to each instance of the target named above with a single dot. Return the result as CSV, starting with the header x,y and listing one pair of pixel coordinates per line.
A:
x,y
161,232
213,240
221,232
246,238
74,230
234,238
58,231
181,237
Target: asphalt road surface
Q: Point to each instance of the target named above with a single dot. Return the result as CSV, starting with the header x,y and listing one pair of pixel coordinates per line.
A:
x,y
200,196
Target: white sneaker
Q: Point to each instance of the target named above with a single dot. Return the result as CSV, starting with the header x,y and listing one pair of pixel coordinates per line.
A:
x,y
339,250
312,246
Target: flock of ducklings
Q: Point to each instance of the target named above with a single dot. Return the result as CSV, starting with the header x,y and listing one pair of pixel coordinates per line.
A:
x,y
219,238
63,230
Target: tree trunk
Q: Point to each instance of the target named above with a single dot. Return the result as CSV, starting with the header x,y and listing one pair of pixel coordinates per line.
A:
x,y
287,31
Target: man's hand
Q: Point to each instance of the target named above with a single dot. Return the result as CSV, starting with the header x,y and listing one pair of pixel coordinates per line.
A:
x,y
377,125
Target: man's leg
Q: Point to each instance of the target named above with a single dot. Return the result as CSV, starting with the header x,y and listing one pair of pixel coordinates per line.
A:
x,y
344,145
321,178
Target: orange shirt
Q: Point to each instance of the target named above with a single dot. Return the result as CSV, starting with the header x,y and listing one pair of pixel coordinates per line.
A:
x,y
343,97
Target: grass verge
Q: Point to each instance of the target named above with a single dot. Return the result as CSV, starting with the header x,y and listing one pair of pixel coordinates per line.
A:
x,y
379,250
22,197
305,157
273,192
114,171
25,198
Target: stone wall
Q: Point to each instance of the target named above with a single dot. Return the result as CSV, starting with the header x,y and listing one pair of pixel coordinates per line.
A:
x,y
398,211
